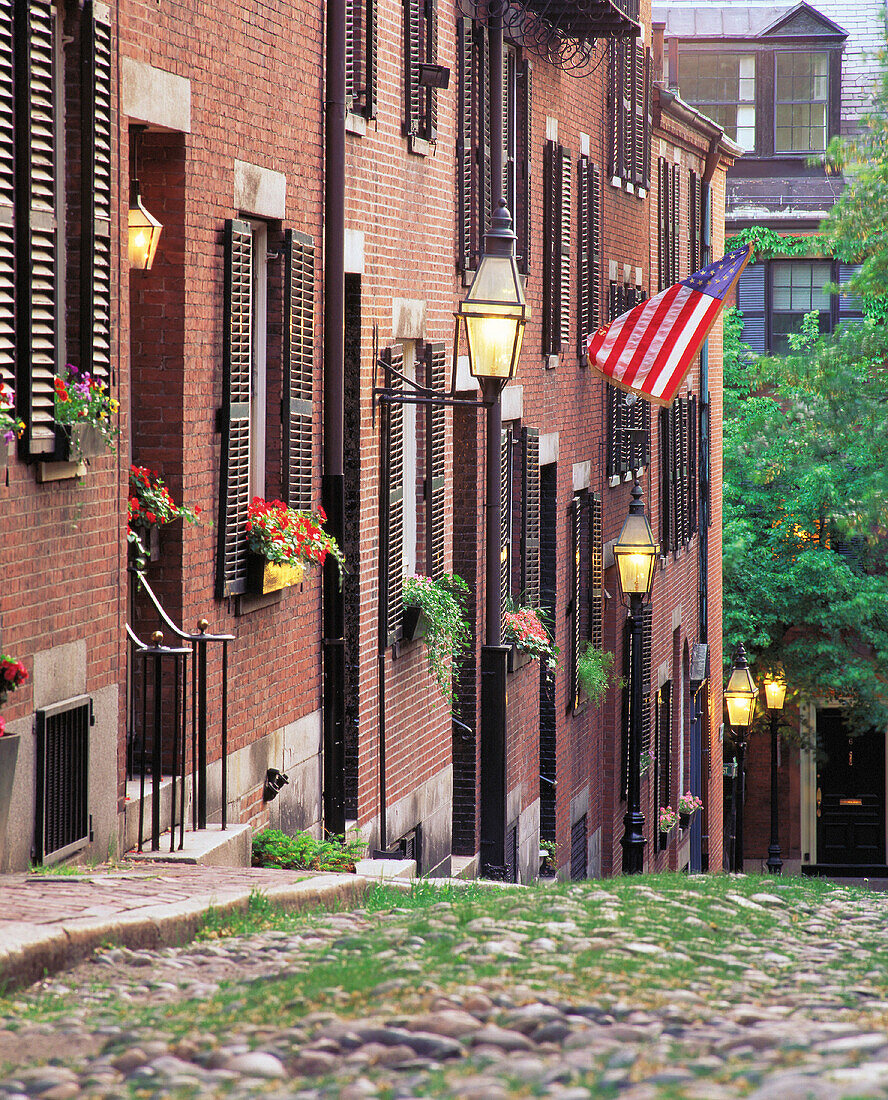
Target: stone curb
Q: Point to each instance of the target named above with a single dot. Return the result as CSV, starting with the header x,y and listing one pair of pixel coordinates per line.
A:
x,y
29,952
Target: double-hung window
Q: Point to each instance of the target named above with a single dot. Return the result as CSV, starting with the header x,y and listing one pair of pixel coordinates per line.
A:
x,y
801,84
722,85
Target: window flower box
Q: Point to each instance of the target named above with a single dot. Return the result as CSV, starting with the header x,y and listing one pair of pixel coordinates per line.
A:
x,y
78,442
264,576
414,623
518,658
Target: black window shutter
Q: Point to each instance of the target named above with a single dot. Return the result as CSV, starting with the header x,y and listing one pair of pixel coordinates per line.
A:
x,y
551,244
647,634
615,96
573,608
37,229
693,239
234,462
391,564
7,199
666,476
411,67
627,711
692,467
596,572
662,224
525,136
675,227
627,48
430,107
371,66
648,120
563,274
505,518
352,52
530,518
464,145
584,263
436,425
95,256
614,464
638,108
299,343
681,472
510,132
483,189
663,753
751,303
595,249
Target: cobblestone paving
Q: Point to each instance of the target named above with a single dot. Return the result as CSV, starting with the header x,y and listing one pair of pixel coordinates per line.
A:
x,y
587,992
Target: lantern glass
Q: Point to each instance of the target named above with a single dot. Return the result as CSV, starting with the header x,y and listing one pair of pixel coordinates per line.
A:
x,y
495,312
635,553
144,233
740,696
775,693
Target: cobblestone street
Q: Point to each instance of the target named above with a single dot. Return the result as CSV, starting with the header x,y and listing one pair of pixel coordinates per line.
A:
x,y
596,990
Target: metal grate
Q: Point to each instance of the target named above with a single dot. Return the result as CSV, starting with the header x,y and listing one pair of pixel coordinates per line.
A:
x,y
512,854
62,818
410,847
578,844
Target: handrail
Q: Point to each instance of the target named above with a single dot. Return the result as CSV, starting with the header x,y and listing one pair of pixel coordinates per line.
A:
x,y
143,581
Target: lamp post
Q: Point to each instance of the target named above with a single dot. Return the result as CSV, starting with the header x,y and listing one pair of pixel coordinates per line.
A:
x,y
494,313
635,554
775,693
740,697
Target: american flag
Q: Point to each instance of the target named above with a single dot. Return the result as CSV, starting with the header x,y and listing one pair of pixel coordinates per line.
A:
x,y
649,350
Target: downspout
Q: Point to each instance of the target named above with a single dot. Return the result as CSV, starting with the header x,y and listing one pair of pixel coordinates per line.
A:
x,y
332,488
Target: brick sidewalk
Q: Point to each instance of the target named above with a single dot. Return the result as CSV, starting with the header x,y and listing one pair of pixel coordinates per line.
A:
x,y
49,922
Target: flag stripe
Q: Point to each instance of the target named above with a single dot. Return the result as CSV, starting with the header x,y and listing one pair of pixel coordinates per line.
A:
x,y
649,349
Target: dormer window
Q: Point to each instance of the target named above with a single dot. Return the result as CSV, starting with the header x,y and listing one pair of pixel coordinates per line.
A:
x,y
723,87
801,98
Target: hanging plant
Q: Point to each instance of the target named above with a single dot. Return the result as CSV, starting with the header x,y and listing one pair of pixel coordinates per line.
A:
x,y
447,636
594,669
523,628
668,819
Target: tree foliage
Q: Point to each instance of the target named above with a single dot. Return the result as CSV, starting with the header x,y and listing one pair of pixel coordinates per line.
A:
x,y
806,512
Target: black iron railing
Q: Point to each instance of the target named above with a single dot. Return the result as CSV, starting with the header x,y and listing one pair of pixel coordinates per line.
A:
x,y
159,689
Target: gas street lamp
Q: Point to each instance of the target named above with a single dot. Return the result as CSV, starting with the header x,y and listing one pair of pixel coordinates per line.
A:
x,y
775,693
740,697
635,554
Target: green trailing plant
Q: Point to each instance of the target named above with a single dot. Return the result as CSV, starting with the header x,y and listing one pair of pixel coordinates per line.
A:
x,y
272,848
768,243
447,636
594,669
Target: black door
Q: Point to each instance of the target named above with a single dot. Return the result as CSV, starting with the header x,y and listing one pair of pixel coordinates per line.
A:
x,y
850,793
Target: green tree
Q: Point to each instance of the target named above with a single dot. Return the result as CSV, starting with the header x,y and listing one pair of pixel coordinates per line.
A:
x,y
806,512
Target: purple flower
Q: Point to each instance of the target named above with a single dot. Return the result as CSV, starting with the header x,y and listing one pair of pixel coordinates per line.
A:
x,y
9,436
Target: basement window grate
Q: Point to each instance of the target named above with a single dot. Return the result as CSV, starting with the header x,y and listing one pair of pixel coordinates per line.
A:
x,y
578,837
512,854
62,824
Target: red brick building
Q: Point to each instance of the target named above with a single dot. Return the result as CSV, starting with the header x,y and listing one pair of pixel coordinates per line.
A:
x,y
231,389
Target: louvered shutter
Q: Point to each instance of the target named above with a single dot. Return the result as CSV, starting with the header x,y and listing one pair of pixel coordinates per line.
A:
x,y
551,243
411,67
464,145
510,134
595,249
431,55
639,117
648,121
627,48
647,635
95,285
693,238
574,605
234,470
692,467
584,262
751,303
663,753
596,572
391,601
675,225
613,429
352,52
37,237
662,224
299,342
850,307
615,102
666,478
530,518
505,518
436,425
525,120
371,65
7,198
483,188
627,711
680,452
563,275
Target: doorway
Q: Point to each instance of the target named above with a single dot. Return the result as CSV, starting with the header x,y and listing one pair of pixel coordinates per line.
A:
x,y
850,799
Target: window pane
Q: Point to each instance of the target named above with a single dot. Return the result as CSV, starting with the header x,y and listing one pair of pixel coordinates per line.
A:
x,y
802,90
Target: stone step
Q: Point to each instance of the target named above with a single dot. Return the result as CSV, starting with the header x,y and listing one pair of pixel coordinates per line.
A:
x,y
210,847
131,810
